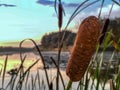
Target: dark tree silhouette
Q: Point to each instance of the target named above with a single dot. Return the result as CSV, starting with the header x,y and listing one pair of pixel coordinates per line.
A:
x,y
51,40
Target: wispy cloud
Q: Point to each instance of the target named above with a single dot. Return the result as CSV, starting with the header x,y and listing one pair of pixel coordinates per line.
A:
x,y
51,3
71,4
115,11
45,2
105,12
8,5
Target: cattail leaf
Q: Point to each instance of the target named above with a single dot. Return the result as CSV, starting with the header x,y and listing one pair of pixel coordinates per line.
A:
x,y
117,80
69,85
107,40
101,8
55,5
116,2
86,81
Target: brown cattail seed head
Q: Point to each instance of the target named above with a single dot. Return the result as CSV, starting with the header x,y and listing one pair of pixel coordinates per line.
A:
x,y
83,48
60,15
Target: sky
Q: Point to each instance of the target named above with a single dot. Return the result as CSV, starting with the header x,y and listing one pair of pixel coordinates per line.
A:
x,y
21,19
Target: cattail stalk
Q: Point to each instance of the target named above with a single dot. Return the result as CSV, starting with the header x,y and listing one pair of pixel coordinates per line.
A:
x,y
60,18
83,48
111,84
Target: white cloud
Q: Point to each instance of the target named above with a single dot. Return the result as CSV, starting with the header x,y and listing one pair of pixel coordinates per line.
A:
x,y
115,11
105,12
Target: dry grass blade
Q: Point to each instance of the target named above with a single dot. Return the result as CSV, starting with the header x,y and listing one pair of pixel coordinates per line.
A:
x,y
4,71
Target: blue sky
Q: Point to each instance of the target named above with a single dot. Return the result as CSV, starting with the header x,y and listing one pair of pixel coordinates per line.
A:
x,y
21,19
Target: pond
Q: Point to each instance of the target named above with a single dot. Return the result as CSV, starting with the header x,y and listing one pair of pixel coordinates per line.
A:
x,y
14,63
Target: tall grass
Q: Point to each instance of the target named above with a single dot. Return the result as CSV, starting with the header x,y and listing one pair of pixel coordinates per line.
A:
x,y
92,80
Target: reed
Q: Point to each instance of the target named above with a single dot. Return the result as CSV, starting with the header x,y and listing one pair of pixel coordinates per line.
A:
x,y
4,70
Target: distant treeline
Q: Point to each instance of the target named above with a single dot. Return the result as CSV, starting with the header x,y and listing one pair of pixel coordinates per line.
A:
x,y
51,40
115,26
12,50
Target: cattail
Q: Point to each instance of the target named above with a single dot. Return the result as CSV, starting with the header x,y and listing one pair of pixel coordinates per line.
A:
x,y
104,29
83,48
60,15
